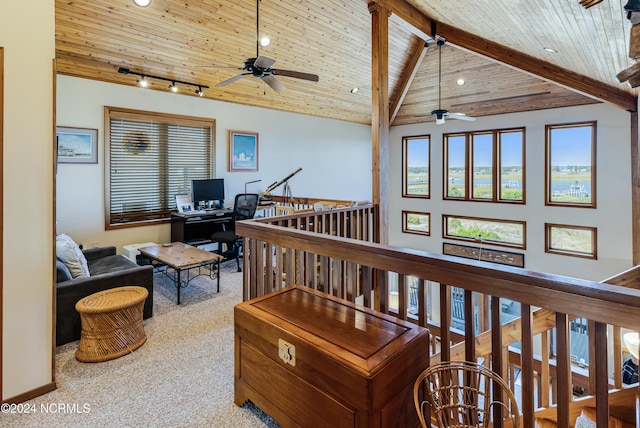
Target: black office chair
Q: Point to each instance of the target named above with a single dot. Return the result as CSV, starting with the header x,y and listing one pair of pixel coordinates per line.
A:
x,y
244,208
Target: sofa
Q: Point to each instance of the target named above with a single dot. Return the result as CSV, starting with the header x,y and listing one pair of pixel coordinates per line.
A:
x,y
106,270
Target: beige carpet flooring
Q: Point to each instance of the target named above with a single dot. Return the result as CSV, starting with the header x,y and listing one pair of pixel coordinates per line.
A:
x,y
181,377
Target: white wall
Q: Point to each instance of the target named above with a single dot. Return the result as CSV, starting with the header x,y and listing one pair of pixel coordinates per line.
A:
x,y
335,156
612,216
27,35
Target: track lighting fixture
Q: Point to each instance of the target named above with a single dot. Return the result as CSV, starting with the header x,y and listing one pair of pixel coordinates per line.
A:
x,y
173,87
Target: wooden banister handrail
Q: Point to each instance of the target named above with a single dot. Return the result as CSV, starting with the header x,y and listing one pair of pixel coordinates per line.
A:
x,y
605,303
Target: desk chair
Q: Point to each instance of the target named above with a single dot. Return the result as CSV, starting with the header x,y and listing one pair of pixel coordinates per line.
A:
x,y
244,208
460,395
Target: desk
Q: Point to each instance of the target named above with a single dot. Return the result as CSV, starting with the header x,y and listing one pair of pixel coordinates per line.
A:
x,y
179,257
196,229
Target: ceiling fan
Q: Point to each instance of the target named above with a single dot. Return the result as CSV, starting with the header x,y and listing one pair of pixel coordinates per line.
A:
x,y
440,114
261,67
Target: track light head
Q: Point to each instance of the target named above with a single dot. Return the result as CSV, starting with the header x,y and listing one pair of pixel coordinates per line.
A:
x,y
144,81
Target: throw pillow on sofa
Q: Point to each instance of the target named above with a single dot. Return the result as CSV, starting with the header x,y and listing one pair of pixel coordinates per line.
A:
x,y
68,252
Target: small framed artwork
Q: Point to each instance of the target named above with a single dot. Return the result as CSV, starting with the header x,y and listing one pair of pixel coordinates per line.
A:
x,y
243,151
77,145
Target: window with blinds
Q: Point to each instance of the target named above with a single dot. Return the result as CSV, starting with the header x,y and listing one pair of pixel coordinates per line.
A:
x,y
151,158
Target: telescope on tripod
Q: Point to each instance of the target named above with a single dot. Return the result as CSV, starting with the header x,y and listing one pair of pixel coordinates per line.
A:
x,y
286,191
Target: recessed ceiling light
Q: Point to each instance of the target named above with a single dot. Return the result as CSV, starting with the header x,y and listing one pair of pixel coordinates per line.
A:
x,y
265,41
460,82
143,82
552,50
142,3
354,90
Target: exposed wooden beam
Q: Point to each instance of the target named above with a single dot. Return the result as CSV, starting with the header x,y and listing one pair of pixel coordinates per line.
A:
x,y
380,116
526,63
408,75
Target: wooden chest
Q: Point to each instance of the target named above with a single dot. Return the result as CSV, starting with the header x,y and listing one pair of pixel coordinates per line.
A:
x,y
354,367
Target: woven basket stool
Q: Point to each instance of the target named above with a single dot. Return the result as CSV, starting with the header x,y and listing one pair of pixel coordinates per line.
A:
x,y
111,323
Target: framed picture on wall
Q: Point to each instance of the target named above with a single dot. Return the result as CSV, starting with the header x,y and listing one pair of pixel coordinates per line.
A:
x,y
243,151
76,145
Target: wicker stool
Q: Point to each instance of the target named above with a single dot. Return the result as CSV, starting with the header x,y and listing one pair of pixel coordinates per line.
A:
x,y
111,323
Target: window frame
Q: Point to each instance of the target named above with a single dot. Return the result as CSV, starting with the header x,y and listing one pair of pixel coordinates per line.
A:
x,y
548,167
405,227
445,166
548,229
149,116
447,235
496,165
405,166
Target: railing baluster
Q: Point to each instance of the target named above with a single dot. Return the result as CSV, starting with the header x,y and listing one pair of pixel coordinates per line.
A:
x,y
528,393
402,297
445,322
563,367
469,327
544,373
497,364
617,358
601,375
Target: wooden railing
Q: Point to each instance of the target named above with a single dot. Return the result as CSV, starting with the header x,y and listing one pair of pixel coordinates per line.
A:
x,y
334,252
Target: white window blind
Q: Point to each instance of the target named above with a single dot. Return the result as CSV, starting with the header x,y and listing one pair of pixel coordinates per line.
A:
x,y
152,158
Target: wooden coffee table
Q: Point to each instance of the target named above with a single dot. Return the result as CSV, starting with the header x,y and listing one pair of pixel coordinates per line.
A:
x,y
183,257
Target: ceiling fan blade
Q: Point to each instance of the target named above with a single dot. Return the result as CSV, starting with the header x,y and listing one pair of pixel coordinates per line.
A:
x,y
217,66
461,116
274,83
233,79
296,74
264,62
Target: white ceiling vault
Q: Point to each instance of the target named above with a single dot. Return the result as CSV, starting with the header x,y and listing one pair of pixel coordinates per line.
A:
x,y
496,46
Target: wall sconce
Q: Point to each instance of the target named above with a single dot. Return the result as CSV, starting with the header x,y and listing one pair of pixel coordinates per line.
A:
x,y
143,81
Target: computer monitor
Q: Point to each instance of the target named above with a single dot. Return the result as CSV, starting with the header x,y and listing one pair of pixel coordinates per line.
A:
x,y
211,189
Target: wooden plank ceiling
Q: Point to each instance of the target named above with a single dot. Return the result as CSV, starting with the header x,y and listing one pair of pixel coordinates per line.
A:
x,y
205,41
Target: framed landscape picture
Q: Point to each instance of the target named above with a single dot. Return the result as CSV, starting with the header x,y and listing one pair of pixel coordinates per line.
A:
x,y
77,145
243,151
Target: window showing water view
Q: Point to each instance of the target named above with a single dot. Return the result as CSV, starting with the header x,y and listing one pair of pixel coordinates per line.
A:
x,y
511,165
471,162
578,241
456,162
509,233
415,166
570,164
482,165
